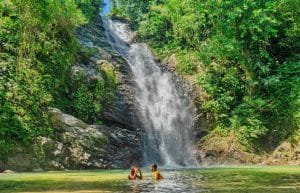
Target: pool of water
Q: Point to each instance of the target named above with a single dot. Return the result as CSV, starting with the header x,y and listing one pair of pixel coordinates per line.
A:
x,y
174,181
234,180
221,180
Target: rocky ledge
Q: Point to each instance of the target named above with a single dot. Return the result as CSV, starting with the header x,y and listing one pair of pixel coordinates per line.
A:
x,y
217,150
77,145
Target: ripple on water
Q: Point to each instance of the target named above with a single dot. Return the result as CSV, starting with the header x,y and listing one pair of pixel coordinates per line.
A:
x,y
173,182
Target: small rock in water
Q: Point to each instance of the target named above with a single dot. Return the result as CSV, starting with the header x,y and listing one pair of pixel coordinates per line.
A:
x,y
8,172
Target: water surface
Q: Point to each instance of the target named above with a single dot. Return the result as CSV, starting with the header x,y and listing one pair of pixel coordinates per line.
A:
x,y
221,180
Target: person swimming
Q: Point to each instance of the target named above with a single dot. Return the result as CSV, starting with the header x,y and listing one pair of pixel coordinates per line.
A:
x,y
135,173
156,173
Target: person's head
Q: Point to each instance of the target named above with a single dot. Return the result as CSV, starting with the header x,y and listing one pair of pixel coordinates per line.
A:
x,y
133,170
153,167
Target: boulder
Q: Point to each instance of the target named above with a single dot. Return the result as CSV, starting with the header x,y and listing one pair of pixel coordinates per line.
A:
x,y
64,121
285,153
285,146
8,172
78,145
224,150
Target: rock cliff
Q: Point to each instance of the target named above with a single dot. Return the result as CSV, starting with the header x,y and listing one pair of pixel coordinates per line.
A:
x,y
76,144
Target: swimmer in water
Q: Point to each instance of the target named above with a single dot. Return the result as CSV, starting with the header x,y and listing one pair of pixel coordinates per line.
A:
x,y
156,173
135,173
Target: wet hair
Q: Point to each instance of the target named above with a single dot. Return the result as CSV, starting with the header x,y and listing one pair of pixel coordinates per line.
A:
x,y
132,169
154,165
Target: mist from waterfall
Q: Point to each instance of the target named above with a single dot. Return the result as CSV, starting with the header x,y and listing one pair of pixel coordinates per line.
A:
x,y
166,113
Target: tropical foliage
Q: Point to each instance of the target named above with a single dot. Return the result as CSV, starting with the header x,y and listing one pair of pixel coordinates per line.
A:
x,y
37,48
248,53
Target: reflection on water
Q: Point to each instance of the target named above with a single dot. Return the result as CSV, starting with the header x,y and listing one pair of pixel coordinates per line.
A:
x,y
173,182
239,180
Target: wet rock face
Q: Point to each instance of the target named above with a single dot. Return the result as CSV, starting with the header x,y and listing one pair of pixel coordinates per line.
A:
x,y
123,112
79,145
122,131
193,91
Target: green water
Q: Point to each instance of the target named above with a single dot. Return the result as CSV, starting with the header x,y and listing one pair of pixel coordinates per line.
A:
x,y
229,179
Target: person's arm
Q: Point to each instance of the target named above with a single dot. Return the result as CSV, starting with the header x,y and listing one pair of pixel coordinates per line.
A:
x,y
132,177
140,172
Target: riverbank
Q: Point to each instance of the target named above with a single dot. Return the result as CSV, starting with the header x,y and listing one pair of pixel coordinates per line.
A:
x,y
220,179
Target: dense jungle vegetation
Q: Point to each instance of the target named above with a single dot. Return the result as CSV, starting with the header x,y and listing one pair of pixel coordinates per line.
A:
x,y
37,47
245,55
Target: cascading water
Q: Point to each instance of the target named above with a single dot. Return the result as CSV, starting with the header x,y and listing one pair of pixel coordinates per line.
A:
x,y
166,114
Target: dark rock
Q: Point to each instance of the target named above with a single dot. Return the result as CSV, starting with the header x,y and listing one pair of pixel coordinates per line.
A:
x,y
123,112
90,146
77,145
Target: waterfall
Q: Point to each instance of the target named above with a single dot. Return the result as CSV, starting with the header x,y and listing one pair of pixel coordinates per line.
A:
x,y
166,113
